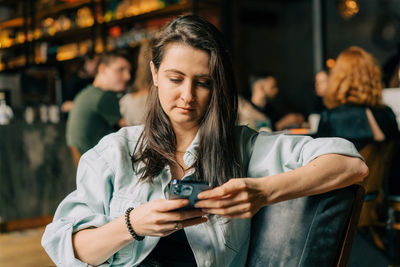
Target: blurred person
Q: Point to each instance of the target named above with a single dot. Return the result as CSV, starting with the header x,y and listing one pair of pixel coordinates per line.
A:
x,y
96,111
321,83
252,117
264,90
133,104
353,98
79,80
394,81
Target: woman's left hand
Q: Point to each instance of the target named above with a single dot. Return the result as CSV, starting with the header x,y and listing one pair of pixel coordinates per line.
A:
x,y
237,198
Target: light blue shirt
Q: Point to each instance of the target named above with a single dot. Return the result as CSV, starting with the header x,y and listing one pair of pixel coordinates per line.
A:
x,y
107,186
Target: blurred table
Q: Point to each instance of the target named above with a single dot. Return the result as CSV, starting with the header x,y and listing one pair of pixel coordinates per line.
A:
x,y
36,170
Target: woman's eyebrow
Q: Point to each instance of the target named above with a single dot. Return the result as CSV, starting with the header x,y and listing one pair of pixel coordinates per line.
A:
x,y
175,71
207,76
181,73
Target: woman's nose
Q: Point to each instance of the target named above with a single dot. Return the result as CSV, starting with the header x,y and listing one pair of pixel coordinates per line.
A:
x,y
187,92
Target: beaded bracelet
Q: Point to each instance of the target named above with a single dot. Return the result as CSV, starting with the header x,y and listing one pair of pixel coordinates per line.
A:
x,y
128,224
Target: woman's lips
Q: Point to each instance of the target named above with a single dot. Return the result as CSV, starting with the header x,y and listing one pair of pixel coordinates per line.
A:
x,y
186,109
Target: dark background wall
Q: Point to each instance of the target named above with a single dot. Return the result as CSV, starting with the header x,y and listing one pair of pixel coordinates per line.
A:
x,y
277,36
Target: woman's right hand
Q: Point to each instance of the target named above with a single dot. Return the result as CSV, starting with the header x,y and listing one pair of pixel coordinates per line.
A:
x,y
160,218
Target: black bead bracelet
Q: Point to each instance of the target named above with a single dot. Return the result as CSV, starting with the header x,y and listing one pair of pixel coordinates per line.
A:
x,y
128,224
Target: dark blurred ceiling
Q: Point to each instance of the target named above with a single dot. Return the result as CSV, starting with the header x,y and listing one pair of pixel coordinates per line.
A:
x,y
9,3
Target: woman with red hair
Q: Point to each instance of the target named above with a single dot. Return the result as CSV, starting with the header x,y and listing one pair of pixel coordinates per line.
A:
x,y
354,101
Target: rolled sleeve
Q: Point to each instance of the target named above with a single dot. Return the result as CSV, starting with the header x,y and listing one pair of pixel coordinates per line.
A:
x,y
86,207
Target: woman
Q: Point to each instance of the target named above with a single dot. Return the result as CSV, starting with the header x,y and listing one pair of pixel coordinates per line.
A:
x,y
189,133
354,101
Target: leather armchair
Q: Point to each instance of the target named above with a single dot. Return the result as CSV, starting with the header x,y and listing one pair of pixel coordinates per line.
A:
x,y
310,231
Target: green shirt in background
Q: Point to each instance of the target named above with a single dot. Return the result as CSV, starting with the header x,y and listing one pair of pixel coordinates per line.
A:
x,y
94,115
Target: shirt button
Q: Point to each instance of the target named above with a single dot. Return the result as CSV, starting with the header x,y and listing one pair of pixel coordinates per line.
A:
x,y
208,263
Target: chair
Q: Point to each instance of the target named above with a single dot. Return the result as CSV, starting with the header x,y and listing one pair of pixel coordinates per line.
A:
x,y
378,158
393,228
393,206
310,231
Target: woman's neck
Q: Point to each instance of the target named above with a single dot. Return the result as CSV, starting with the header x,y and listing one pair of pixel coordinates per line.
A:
x,y
184,137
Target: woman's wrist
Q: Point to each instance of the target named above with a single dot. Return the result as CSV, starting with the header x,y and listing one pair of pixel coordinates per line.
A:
x,y
267,188
129,225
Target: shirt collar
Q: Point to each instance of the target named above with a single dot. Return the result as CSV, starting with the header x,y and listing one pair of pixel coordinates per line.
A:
x,y
190,155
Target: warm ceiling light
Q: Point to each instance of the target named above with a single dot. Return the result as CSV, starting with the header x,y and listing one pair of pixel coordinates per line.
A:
x,y
330,62
348,8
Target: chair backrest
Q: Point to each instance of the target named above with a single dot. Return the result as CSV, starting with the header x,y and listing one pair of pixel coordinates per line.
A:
x,y
378,157
310,231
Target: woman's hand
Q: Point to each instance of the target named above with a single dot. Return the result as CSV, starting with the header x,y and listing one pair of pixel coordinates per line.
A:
x,y
237,198
158,218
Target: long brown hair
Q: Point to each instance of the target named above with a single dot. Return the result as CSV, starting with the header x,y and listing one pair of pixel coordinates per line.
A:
x,y
355,79
217,157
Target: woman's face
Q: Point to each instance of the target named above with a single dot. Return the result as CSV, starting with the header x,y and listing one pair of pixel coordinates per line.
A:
x,y
184,84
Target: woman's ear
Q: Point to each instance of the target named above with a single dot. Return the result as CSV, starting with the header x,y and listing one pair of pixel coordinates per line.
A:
x,y
154,73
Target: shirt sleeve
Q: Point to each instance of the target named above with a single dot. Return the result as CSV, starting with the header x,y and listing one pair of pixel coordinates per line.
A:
x,y
86,207
273,154
109,108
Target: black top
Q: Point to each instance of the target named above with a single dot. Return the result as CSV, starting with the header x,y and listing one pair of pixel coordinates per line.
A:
x,y
351,122
171,251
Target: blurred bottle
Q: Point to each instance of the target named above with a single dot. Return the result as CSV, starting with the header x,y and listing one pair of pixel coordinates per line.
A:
x,y
44,113
6,113
54,114
29,115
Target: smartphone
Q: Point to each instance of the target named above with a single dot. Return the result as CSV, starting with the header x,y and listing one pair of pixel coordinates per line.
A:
x,y
187,189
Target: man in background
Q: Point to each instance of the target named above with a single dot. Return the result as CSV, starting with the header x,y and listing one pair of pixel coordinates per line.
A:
x,y
96,111
264,90
79,80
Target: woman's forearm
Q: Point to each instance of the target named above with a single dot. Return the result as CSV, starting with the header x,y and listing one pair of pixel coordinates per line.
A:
x,y
325,173
95,246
